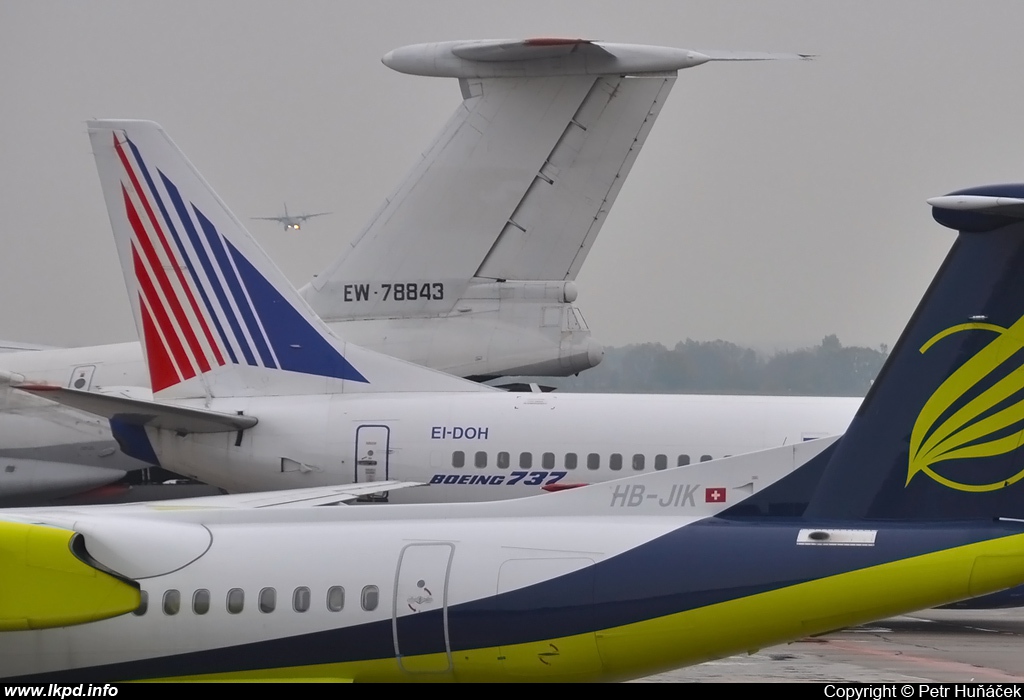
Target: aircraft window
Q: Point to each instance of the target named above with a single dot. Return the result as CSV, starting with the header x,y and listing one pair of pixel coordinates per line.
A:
x,y
705,458
525,460
300,599
503,460
638,463
660,462
370,597
615,462
480,460
459,459
236,600
593,461
172,602
570,460
143,604
683,460
268,600
201,602
547,460
335,598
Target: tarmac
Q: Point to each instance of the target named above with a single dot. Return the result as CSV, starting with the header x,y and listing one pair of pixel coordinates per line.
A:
x,y
950,646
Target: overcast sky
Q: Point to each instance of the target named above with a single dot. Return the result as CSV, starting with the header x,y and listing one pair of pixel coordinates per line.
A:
x,y
774,203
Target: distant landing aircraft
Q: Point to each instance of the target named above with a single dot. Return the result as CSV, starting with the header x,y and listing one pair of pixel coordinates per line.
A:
x,y
291,222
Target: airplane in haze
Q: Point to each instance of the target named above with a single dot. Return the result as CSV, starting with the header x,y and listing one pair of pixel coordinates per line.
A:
x,y
253,392
481,289
608,582
291,222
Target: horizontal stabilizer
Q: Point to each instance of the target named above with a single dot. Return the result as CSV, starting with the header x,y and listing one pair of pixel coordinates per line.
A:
x,y
294,498
180,419
980,208
536,58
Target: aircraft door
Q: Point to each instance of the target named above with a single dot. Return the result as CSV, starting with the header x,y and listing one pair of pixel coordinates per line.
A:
x,y
372,442
420,611
81,377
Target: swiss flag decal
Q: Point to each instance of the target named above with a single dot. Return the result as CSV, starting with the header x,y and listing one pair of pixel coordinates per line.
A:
x,y
716,495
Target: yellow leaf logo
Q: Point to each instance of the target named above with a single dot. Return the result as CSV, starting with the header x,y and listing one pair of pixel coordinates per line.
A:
x,y
971,430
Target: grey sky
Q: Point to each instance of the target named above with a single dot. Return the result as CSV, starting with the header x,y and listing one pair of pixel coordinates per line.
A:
x,y
773,203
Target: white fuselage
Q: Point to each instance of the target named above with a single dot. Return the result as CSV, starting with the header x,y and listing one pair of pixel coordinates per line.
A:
x,y
489,445
479,446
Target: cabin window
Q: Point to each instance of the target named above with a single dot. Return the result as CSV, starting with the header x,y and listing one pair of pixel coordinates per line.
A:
x,y
615,462
547,460
300,599
683,460
660,462
458,459
593,461
705,458
570,460
503,460
143,604
335,598
172,602
369,598
480,460
236,600
638,463
525,460
268,600
201,602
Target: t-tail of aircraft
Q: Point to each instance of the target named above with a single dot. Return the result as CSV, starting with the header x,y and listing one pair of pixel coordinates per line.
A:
x,y
215,316
491,226
939,434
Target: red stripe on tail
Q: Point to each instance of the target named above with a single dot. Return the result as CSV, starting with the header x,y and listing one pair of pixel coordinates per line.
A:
x,y
170,256
165,284
161,371
174,350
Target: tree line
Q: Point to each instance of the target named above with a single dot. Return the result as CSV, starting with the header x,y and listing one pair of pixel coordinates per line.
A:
x,y
720,367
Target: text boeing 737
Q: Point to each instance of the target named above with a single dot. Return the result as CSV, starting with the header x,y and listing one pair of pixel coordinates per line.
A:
x,y
255,393
612,581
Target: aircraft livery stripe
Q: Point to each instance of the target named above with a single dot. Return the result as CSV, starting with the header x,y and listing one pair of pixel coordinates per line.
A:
x,y
172,344
653,581
166,286
298,345
161,370
224,347
169,252
235,286
209,271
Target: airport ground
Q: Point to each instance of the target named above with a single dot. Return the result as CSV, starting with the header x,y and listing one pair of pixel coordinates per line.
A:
x,y
931,646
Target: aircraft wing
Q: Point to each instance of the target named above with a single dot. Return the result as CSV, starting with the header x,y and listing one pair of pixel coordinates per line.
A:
x,y
303,217
182,419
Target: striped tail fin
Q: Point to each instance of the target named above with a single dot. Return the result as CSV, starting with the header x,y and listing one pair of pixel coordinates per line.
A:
x,y
215,315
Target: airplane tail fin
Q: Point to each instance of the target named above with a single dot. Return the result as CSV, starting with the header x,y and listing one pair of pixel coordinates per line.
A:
x,y
519,182
214,314
939,434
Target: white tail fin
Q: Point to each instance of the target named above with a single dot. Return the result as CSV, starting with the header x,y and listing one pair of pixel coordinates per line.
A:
x,y
214,314
515,187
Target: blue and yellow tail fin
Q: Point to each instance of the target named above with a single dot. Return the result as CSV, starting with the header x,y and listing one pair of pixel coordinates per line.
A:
x,y
940,433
